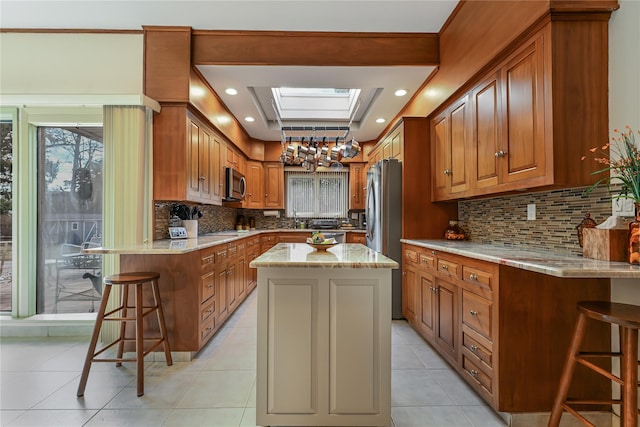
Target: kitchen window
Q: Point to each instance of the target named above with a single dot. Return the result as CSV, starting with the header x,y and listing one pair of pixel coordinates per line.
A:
x,y
317,195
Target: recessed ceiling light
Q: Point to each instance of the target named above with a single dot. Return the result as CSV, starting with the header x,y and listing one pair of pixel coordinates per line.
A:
x,y
380,120
400,92
249,119
231,91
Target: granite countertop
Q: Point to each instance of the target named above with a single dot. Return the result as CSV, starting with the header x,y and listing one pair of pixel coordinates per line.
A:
x,y
344,255
183,246
550,263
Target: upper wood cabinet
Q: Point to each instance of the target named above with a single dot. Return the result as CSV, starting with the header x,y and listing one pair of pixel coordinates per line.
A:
x,y
273,185
235,160
254,197
357,185
186,159
530,117
450,136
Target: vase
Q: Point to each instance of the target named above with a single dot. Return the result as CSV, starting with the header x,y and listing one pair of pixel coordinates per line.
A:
x,y
634,237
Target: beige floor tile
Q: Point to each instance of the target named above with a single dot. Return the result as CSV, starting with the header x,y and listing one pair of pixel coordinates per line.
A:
x,y
23,390
403,357
215,417
416,387
129,418
53,418
248,418
219,389
7,416
481,416
160,391
429,416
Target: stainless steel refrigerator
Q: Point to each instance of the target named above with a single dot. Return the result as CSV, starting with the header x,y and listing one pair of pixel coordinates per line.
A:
x,y
384,220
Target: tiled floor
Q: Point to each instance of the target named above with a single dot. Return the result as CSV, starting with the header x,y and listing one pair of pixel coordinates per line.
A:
x,y
39,379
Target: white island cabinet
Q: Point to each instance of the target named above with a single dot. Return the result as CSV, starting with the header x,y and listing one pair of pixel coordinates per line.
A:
x,y
324,336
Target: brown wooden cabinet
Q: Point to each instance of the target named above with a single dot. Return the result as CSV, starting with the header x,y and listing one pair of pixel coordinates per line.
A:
x,y
273,185
186,162
524,111
255,179
353,237
410,284
357,185
505,330
450,136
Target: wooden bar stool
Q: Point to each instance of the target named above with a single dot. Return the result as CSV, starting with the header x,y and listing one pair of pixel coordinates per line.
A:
x,y
628,318
128,280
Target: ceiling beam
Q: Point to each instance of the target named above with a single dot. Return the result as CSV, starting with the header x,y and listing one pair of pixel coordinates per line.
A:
x,y
314,48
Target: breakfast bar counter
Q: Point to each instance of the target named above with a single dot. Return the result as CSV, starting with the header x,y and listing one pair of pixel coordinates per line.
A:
x,y
324,336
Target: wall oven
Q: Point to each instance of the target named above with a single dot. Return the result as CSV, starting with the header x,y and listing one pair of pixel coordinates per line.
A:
x,y
235,185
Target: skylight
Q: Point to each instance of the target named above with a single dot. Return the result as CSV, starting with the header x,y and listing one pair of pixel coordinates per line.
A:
x,y
330,104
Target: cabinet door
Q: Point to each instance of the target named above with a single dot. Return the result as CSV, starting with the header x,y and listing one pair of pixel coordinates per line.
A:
x,y
409,287
441,155
221,293
205,165
427,305
486,126
446,333
217,171
397,143
255,177
274,185
524,103
357,185
458,146
193,162
232,300
241,277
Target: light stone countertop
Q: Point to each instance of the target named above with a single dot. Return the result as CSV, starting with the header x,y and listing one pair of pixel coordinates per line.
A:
x,y
183,246
557,265
343,255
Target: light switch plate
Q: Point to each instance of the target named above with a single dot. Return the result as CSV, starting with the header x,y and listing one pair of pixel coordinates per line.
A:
x,y
623,207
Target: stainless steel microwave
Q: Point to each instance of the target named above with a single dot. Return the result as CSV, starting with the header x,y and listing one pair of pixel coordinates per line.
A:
x,y
235,185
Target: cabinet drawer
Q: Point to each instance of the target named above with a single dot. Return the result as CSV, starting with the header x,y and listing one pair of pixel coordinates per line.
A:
x,y
477,277
221,253
411,255
232,250
207,310
478,350
477,374
207,260
241,246
428,260
477,313
448,268
207,285
207,328
269,239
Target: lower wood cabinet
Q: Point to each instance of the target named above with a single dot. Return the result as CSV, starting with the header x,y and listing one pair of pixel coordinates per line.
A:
x,y
505,330
199,290
354,237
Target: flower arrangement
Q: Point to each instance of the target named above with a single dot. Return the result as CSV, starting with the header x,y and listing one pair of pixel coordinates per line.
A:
x,y
625,165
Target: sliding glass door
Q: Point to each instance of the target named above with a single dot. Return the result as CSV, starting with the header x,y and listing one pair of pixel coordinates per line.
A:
x,y
70,164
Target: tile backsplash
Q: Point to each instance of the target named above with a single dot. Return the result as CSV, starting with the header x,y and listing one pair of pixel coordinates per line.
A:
x,y
503,220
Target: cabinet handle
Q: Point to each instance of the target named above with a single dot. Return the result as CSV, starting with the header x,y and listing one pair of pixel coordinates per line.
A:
x,y
433,252
209,286
474,348
501,154
445,267
404,273
473,313
202,178
474,373
473,277
228,272
447,172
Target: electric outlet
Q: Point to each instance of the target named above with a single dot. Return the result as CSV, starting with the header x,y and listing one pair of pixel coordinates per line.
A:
x,y
623,207
531,212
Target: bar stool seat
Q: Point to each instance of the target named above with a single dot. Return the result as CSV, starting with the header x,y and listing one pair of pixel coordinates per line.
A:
x,y
121,314
627,317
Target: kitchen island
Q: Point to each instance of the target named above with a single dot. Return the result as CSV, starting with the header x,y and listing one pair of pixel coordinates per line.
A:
x,y
324,336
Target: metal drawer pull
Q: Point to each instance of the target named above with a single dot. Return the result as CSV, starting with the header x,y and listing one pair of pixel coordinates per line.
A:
x,y
474,348
445,267
433,252
501,154
474,373
473,277
473,313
